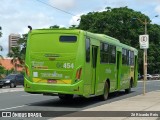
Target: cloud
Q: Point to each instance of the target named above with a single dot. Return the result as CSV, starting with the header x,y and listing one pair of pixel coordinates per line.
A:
x,y
15,18
75,20
16,15
115,3
63,4
157,9
14,21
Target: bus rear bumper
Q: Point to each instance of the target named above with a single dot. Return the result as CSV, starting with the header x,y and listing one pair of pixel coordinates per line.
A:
x,y
48,89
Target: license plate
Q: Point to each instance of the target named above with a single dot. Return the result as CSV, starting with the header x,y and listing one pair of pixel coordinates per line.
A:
x,y
52,81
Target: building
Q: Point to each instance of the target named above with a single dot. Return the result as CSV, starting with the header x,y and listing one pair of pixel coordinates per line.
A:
x,y
13,39
7,64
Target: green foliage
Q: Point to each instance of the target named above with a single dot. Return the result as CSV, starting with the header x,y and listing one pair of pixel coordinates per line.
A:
x,y
16,56
7,72
22,43
2,70
22,72
58,27
54,26
73,27
119,23
1,49
18,53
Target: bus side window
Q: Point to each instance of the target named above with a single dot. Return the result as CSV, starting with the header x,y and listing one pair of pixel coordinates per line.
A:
x,y
124,56
87,50
112,54
132,58
104,53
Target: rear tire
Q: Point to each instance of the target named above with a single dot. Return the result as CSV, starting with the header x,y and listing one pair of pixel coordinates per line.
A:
x,y
105,92
65,96
1,86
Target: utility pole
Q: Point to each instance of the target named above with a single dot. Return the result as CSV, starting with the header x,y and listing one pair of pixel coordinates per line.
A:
x,y
145,62
145,38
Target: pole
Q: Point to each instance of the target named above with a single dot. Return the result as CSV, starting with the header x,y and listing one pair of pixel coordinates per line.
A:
x,y
145,63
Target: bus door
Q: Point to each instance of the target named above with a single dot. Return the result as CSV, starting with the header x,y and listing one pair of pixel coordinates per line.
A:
x,y
135,70
119,54
94,66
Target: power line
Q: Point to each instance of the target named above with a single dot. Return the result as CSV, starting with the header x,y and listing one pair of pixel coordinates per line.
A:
x,y
56,8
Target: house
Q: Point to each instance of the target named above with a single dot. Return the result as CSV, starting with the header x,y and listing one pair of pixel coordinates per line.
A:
x,y
6,63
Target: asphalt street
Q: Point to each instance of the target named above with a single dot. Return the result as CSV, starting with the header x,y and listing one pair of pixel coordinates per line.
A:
x,y
15,99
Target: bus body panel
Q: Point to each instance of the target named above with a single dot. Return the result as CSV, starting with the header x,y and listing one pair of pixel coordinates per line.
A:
x,y
52,66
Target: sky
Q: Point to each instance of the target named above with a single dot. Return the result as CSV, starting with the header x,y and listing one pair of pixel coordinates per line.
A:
x,y
16,15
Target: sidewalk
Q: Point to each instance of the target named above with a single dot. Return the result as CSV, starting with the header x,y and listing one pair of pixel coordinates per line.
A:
x,y
148,102
5,90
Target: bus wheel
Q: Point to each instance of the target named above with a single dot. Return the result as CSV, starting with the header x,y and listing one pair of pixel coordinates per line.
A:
x,y
106,92
128,90
65,96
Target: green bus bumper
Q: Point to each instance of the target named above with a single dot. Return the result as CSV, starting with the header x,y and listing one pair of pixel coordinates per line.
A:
x,y
44,88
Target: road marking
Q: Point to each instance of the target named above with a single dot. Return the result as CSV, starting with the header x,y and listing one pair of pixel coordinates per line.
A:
x,y
13,107
149,81
30,95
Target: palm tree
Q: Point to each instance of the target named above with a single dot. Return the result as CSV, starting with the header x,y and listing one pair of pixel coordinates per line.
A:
x,y
2,69
1,49
16,56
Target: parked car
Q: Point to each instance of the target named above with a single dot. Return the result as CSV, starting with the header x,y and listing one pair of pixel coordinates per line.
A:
x,y
156,76
12,80
149,77
140,76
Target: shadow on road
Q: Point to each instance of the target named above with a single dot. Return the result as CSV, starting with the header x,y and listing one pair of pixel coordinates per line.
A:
x,y
80,103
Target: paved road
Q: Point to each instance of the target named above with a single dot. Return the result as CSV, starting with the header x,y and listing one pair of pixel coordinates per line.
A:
x,y
15,99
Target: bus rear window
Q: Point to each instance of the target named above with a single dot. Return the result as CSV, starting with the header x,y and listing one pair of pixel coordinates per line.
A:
x,y
68,39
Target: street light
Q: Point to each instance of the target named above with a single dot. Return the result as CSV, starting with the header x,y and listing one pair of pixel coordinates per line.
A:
x,y
144,54
144,22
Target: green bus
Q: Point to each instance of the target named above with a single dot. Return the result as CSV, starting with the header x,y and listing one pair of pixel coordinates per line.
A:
x,y
67,62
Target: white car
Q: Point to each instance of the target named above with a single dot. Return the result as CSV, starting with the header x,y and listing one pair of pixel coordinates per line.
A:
x,y
149,77
156,76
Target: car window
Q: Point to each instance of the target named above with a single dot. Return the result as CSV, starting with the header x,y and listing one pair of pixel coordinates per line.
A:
x,y
10,76
20,76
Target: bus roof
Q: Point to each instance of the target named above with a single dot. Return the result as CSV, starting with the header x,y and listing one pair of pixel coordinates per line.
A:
x,y
75,31
101,37
106,38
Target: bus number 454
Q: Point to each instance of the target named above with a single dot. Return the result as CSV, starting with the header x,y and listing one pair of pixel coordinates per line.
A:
x,y
68,65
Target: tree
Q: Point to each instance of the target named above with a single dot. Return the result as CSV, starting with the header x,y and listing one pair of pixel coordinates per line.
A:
x,y
2,71
1,49
18,53
119,23
54,26
22,43
73,27
17,57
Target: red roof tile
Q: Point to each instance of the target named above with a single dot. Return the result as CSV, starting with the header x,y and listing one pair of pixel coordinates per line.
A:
x,y
6,63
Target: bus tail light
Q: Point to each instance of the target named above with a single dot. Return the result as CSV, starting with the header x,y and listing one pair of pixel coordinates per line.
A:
x,y
27,71
78,73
